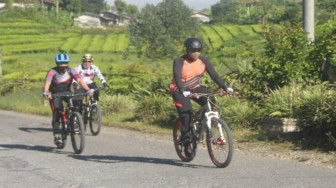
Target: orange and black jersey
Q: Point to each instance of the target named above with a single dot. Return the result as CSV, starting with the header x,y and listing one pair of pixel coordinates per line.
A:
x,y
188,74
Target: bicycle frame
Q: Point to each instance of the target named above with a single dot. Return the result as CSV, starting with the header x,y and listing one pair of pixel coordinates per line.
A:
x,y
90,117
72,124
90,100
206,114
69,107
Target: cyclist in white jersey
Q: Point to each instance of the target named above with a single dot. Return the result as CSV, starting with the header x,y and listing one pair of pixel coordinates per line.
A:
x,y
87,73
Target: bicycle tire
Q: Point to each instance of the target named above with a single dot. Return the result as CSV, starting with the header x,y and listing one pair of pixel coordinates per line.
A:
x,y
180,147
85,118
63,136
95,119
220,150
77,132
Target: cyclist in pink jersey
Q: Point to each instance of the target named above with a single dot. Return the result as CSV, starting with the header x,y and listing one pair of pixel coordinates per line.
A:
x,y
59,80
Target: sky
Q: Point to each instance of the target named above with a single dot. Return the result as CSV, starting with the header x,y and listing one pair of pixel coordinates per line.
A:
x,y
193,4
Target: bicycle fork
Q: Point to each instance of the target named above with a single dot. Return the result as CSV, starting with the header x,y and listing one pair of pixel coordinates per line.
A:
x,y
209,115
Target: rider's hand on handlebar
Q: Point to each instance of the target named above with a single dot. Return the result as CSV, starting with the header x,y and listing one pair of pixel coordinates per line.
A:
x,y
229,90
47,94
105,86
90,92
186,93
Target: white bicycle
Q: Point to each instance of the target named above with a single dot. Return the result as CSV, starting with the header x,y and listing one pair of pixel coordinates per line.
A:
x,y
218,136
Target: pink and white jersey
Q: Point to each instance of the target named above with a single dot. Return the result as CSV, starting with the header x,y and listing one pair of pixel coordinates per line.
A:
x,y
88,74
61,82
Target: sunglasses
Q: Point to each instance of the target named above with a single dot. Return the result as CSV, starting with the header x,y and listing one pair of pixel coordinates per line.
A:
x,y
88,61
193,50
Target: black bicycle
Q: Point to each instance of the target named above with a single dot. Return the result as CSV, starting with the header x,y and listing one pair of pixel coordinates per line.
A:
x,y
218,136
92,114
72,123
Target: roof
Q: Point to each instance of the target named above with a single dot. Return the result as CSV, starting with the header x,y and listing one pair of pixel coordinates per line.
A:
x,y
201,13
94,15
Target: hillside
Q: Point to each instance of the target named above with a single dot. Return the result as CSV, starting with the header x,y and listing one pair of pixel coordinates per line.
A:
x,y
20,40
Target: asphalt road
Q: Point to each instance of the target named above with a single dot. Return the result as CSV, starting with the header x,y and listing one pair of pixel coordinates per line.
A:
x,y
124,158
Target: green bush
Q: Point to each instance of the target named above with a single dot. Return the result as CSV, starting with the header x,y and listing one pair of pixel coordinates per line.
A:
x,y
286,58
280,102
239,113
316,113
156,109
111,104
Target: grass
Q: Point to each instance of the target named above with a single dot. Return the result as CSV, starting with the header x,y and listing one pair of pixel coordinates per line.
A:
x,y
32,102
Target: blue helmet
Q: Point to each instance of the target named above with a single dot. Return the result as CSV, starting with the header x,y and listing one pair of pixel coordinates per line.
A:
x,y
62,58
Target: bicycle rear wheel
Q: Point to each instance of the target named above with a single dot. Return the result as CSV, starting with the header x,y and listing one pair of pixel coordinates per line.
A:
x,y
220,143
185,151
77,132
95,119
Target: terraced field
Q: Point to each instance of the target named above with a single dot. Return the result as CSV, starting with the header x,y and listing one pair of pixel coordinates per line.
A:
x,y
22,37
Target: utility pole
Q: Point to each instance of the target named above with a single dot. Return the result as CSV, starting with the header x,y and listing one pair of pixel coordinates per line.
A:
x,y
57,7
308,18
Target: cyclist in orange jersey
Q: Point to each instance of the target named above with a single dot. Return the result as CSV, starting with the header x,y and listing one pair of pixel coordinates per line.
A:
x,y
187,73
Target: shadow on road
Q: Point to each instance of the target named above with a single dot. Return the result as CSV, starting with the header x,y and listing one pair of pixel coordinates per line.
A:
x,y
102,158
36,148
118,159
30,129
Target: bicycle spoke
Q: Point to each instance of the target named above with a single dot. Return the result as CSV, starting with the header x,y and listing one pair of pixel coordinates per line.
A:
x,y
95,119
219,143
77,132
185,152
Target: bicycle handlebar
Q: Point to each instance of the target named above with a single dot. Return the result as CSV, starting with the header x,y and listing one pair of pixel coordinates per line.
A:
x,y
99,88
67,94
198,95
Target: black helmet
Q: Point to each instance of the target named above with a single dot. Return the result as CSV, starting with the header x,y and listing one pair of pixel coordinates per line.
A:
x,y
193,43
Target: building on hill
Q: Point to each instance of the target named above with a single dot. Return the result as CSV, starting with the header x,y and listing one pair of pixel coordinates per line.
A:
x,y
91,20
114,17
103,20
203,17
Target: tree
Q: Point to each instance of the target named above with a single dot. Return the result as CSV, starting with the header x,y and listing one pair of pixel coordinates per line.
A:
x,y
160,30
255,11
71,5
226,11
132,10
121,7
93,6
146,32
285,61
9,4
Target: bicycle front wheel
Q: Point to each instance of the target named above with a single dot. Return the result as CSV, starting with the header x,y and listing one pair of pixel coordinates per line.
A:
x,y
220,143
77,132
95,119
186,152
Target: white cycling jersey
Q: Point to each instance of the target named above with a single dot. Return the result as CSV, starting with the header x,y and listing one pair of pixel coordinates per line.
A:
x,y
88,74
